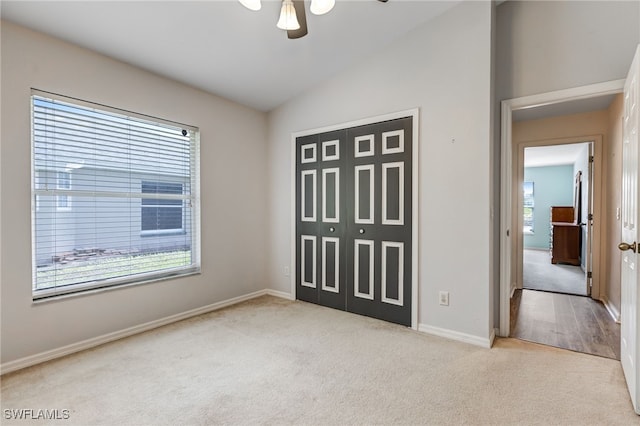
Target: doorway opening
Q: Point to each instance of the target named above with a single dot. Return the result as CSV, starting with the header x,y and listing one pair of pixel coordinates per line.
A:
x,y
558,241
557,201
553,224
552,305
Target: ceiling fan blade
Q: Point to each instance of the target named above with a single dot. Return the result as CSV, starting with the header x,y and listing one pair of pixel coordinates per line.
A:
x,y
302,19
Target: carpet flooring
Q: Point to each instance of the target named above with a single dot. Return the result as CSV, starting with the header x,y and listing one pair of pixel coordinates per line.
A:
x,y
272,361
540,274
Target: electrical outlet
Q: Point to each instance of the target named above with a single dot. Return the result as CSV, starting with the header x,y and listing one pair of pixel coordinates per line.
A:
x,y
444,298
286,271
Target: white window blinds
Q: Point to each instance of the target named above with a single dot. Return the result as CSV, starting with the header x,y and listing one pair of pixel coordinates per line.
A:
x,y
115,197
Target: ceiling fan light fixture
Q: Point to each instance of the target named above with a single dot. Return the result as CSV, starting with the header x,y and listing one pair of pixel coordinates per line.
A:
x,y
251,4
320,7
288,19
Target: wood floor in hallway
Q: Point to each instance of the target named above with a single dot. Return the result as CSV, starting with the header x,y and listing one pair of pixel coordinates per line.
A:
x,y
578,323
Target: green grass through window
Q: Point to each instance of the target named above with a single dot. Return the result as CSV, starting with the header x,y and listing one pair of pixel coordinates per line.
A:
x,y
102,268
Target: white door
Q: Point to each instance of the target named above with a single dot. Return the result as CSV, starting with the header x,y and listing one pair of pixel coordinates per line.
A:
x,y
629,337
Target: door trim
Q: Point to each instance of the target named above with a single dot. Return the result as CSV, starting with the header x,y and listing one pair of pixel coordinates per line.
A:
x,y
506,178
415,114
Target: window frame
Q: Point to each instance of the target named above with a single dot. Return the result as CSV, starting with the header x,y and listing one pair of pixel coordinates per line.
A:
x,y
38,190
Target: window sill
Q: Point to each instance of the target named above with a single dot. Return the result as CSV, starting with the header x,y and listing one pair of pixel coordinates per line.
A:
x,y
46,296
529,233
163,233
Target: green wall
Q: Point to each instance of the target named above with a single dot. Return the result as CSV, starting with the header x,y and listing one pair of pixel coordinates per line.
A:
x,y
552,186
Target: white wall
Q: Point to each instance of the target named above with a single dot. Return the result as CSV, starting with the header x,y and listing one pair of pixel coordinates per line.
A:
x,y
444,69
233,148
551,45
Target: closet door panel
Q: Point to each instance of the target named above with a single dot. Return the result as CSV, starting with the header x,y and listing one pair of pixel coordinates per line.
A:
x,y
321,214
381,206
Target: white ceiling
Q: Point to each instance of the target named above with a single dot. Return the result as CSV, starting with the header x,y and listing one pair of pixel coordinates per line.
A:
x,y
555,155
224,48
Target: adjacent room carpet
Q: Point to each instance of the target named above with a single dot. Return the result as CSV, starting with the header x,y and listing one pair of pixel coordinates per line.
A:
x,y
272,361
540,274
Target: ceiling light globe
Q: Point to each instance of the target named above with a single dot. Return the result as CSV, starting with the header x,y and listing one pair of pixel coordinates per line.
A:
x,y
320,7
288,19
251,4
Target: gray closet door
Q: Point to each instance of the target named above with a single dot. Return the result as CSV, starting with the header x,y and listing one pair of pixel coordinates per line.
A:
x,y
321,219
354,205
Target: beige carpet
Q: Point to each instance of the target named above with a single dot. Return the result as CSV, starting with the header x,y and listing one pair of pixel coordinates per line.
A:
x,y
271,361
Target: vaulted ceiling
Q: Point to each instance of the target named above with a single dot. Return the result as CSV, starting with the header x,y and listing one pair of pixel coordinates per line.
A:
x,y
224,48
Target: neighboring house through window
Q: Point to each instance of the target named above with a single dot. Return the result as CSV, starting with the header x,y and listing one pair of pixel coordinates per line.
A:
x,y
36,185
162,215
63,183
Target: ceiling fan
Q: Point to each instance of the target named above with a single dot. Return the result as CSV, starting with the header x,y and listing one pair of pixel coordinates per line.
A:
x,y
293,17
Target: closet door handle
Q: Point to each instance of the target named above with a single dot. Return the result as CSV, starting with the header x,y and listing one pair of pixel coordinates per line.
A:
x,y
332,229
361,231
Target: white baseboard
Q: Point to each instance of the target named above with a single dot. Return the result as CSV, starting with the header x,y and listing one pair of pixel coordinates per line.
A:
x,y
613,311
281,294
456,335
110,337
28,361
513,289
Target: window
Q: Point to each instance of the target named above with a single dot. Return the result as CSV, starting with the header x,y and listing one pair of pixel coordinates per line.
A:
x,y
528,207
133,181
161,214
63,184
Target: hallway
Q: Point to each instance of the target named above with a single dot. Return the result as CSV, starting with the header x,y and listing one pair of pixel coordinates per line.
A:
x,y
565,321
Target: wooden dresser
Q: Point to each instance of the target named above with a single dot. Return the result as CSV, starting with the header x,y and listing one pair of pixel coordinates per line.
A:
x,y
565,236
